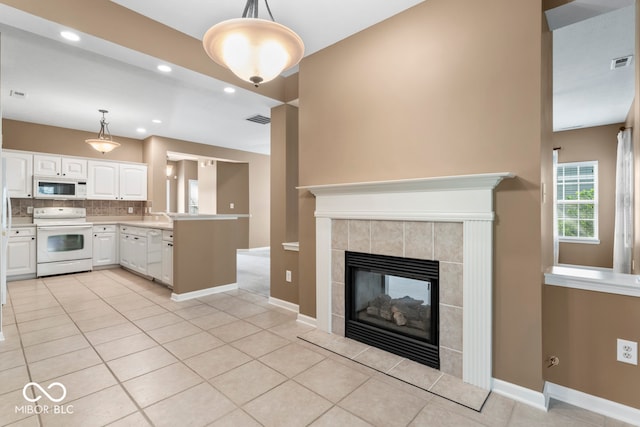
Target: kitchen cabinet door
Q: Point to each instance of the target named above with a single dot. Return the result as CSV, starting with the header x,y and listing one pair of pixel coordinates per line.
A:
x,y
133,182
21,256
19,173
126,250
139,256
47,165
104,249
102,180
74,168
167,263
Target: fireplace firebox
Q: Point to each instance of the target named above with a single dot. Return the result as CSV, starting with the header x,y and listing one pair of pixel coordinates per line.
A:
x,y
392,303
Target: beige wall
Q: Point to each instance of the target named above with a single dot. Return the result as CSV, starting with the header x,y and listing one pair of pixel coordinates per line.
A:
x,y
430,92
581,327
233,187
187,170
284,201
50,139
204,254
155,152
597,143
207,185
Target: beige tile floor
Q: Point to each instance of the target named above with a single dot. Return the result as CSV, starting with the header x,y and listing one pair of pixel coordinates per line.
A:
x,y
128,356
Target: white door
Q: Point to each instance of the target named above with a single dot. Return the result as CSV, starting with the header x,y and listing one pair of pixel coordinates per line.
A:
x,y
104,249
46,165
167,263
133,182
140,254
19,178
21,256
102,181
125,250
74,168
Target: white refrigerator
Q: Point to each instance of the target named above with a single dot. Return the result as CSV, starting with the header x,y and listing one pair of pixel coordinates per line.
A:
x,y
5,227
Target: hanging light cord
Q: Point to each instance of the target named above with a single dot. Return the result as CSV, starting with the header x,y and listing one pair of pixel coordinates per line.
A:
x,y
251,9
104,126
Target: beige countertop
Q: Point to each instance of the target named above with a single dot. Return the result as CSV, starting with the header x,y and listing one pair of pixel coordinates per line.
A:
x,y
146,224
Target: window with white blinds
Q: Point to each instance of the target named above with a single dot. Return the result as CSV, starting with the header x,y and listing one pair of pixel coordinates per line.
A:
x,y
577,201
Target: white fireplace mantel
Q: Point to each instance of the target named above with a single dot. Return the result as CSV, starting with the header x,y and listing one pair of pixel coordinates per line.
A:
x,y
464,198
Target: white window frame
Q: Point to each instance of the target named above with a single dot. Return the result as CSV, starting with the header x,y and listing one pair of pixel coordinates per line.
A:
x,y
588,240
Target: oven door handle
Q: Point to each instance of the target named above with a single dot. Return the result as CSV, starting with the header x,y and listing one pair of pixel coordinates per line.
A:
x,y
64,227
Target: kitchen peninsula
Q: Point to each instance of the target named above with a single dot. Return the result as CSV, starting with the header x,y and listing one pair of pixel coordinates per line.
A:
x,y
195,255
200,251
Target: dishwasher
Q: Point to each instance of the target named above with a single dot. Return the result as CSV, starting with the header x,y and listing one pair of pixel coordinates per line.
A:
x,y
154,254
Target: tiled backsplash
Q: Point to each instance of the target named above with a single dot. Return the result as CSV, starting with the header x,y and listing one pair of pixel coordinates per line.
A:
x,y
94,207
442,241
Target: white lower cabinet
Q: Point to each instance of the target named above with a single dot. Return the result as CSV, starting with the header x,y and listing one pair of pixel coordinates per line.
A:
x,y
167,262
133,248
21,252
105,245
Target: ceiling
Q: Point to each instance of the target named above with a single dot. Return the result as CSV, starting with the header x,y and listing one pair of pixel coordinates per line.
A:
x,y
66,83
587,35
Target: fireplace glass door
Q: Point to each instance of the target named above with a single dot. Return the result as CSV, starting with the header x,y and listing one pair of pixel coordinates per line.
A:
x,y
392,303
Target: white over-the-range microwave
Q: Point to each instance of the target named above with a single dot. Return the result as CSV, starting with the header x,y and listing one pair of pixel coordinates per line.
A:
x,y
48,187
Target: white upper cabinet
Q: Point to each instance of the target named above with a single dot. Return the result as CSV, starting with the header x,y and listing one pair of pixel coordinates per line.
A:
x,y
116,181
102,183
68,167
133,182
47,165
19,173
74,168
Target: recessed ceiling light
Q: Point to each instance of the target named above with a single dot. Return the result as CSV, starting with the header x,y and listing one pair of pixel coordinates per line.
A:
x,y
156,121
164,68
68,35
229,89
141,130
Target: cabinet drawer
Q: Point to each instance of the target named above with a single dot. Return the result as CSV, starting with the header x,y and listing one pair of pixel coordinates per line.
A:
x,y
134,231
22,232
167,235
109,228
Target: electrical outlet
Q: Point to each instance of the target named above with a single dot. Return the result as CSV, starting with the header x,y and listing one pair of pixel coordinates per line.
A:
x,y
627,352
29,210
130,209
287,276
232,206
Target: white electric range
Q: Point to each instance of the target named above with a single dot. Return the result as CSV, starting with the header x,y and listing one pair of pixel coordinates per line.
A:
x,y
64,241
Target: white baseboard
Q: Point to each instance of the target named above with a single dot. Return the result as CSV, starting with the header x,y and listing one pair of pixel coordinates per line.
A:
x,y
284,304
203,292
307,320
592,403
520,394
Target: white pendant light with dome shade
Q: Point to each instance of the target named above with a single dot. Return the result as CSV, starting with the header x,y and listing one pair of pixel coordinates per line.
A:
x,y
256,50
103,143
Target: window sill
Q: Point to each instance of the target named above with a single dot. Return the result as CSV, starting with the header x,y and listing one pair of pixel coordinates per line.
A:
x,y
593,279
583,241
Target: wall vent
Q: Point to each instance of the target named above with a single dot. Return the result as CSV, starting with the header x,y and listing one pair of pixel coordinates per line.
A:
x,y
622,62
260,119
17,94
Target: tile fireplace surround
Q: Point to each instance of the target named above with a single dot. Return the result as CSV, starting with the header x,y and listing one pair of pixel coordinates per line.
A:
x,y
446,217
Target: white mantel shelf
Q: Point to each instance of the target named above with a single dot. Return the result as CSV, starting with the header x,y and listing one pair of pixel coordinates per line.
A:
x,y
439,183
465,198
